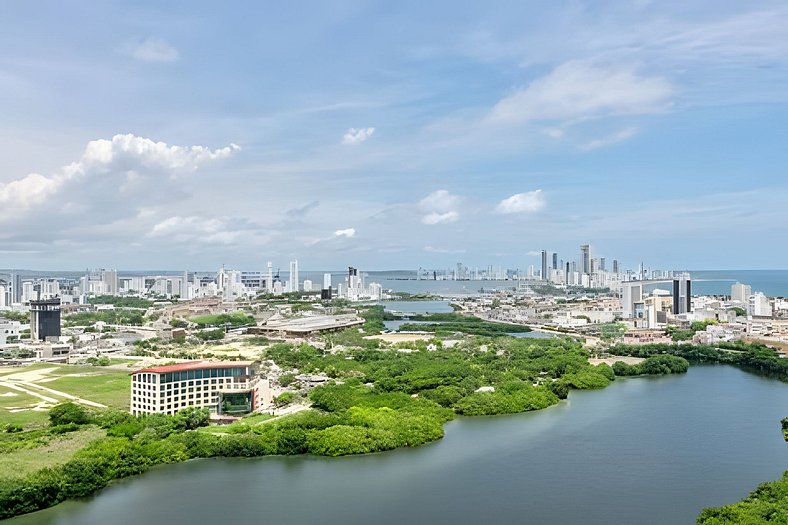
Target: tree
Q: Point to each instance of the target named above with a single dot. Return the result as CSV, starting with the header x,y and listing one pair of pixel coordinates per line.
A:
x,y
609,332
69,412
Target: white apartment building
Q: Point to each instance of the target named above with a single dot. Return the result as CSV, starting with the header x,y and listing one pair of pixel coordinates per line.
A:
x,y
758,305
9,330
213,385
740,293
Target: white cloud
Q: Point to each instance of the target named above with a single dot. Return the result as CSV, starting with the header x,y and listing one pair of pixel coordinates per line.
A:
x,y
432,249
553,133
440,207
607,140
528,202
580,89
191,229
104,191
124,150
440,218
533,253
152,49
348,232
355,136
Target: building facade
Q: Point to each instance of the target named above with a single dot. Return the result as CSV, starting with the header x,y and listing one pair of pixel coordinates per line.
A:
x,y
226,387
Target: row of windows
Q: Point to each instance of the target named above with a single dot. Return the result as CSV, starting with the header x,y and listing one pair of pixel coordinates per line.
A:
x,y
183,397
201,374
145,391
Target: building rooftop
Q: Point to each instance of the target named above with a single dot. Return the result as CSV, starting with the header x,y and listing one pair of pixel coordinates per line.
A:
x,y
194,365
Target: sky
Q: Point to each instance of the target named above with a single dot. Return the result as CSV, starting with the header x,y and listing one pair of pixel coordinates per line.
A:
x,y
393,135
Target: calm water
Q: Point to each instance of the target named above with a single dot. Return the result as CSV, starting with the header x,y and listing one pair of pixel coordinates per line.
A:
x,y
646,451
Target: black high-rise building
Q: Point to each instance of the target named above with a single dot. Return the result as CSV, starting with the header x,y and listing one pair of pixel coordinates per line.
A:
x,y
44,319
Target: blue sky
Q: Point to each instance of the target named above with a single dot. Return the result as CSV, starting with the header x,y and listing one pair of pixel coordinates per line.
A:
x,y
393,134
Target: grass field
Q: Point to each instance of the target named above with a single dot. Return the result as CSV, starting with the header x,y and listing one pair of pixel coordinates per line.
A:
x,y
56,451
23,394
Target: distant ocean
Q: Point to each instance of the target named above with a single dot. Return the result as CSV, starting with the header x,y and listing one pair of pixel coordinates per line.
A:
x,y
705,282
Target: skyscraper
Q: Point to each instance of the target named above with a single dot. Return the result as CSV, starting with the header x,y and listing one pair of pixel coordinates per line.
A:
x,y
544,265
585,258
555,260
615,265
269,282
292,282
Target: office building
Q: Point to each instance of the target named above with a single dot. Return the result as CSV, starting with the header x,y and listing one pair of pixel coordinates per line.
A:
x,y
555,261
226,387
585,259
292,280
682,295
543,275
44,319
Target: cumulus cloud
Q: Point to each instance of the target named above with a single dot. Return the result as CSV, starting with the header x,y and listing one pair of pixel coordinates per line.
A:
x,y
347,232
440,207
107,186
581,89
355,136
528,202
152,49
607,140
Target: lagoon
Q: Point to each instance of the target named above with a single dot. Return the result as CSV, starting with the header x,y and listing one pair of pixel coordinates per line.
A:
x,y
650,450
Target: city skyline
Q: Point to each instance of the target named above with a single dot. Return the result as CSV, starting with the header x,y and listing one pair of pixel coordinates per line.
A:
x,y
148,136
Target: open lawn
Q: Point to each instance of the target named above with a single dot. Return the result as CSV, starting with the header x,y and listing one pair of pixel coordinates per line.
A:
x,y
55,450
26,392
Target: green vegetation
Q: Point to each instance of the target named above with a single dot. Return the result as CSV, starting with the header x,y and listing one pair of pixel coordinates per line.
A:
x,y
655,365
115,316
99,361
679,334
451,323
766,504
121,302
232,320
210,335
609,332
11,315
754,357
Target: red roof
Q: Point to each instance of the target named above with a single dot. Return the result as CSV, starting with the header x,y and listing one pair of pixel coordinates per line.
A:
x,y
193,365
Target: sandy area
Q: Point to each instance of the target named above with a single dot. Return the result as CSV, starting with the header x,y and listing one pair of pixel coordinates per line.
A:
x,y
612,359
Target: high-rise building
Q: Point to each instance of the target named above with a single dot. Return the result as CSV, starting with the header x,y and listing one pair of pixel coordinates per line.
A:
x,y
292,282
44,319
758,305
16,288
602,264
269,282
585,258
544,265
307,285
682,295
615,265
555,261
326,281
741,292
110,279
566,275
